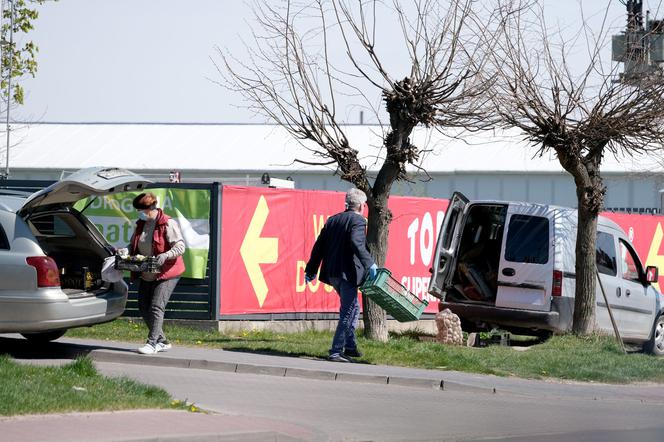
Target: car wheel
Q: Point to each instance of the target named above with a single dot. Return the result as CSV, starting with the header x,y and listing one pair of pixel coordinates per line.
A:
x,y
656,343
543,335
43,337
470,326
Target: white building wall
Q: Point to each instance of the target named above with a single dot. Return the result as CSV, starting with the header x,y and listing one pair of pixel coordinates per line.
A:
x,y
622,191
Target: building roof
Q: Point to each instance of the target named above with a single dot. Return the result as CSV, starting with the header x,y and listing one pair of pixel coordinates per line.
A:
x,y
249,147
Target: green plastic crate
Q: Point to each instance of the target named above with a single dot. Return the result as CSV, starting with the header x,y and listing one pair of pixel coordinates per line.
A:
x,y
393,297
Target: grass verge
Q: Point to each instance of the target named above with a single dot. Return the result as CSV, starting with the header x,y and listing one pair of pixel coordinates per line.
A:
x,y
594,358
77,386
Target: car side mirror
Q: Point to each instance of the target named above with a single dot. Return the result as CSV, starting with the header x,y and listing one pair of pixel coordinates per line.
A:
x,y
652,274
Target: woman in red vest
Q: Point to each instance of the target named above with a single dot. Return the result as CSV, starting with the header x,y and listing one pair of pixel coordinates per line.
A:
x,y
156,235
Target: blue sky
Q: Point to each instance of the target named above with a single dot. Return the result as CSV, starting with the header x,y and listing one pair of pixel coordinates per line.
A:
x,y
149,60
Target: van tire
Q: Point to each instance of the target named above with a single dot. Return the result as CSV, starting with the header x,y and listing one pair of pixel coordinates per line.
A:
x,y
656,343
44,337
471,327
543,335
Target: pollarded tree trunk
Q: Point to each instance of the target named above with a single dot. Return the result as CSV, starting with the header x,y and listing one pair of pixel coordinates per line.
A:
x,y
586,281
375,322
590,197
378,228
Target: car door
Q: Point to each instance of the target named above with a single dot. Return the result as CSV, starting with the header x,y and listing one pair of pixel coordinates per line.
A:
x,y
610,283
525,272
448,238
636,303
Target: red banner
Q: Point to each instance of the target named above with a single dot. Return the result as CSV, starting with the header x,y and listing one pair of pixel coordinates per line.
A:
x,y
645,233
267,235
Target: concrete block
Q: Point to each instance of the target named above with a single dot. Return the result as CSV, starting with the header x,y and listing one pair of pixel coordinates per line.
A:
x,y
436,384
260,369
203,364
456,386
311,374
369,379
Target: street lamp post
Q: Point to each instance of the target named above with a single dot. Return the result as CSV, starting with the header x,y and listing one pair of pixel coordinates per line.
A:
x,y
9,81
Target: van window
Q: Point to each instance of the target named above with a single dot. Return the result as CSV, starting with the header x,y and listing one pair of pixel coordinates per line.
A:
x,y
629,268
606,254
447,239
527,239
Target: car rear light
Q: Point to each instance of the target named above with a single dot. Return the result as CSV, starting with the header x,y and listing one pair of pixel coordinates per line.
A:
x,y
47,271
557,289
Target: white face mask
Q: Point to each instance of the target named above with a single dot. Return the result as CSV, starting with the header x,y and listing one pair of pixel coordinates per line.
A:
x,y
143,216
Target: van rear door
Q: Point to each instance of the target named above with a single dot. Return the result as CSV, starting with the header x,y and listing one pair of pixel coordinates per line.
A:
x,y
525,272
448,238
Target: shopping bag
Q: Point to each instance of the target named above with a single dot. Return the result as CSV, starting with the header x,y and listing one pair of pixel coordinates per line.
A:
x,y
108,271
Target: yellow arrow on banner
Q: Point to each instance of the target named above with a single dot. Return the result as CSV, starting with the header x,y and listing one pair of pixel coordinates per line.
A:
x,y
256,250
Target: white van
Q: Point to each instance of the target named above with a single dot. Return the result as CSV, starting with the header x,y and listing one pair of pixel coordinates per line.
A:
x,y
511,265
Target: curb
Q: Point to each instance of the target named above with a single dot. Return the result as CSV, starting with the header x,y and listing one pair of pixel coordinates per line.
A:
x,y
248,436
281,371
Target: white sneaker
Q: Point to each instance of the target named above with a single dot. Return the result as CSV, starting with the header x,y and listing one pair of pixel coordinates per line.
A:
x,y
164,346
148,349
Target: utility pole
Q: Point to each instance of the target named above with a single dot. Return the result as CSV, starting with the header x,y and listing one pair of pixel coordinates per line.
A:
x,y
640,47
9,82
3,43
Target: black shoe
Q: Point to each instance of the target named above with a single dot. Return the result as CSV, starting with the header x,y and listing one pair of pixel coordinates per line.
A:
x,y
353,353
339,358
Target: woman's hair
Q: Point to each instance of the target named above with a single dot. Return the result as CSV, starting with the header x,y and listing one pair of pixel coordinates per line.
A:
x,y
144,201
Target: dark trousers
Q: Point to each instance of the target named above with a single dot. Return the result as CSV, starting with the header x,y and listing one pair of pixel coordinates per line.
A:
x,y
349,314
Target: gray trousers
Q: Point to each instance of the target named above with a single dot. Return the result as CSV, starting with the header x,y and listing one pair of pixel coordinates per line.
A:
x,y
152,299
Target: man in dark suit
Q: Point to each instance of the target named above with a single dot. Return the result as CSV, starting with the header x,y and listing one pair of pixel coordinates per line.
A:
x,y
346,263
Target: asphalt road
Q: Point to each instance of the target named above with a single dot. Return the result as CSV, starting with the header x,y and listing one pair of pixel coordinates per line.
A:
x,y
363,411
353,401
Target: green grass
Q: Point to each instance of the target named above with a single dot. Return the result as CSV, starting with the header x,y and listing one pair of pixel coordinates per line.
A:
x,y
594,358
77,386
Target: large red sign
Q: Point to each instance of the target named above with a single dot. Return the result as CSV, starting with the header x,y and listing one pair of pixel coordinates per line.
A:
x,y
645,232
267,235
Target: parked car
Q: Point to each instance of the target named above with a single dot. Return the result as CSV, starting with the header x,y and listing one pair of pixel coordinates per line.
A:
x,y
512,265
51,257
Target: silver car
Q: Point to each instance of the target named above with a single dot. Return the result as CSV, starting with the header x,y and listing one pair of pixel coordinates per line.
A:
x,y
51,257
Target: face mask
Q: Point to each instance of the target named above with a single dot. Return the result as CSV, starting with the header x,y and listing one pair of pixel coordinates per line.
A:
x,y
143,216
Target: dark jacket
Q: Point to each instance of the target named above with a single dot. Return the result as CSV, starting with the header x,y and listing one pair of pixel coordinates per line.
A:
x,y
342,248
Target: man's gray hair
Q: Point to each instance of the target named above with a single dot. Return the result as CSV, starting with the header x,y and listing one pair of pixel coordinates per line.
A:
x,y
355,198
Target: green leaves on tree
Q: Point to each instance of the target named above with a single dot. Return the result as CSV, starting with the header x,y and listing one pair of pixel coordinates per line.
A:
x,y
17,56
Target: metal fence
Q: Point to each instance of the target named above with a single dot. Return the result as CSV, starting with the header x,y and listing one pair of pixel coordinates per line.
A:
x,y
635,210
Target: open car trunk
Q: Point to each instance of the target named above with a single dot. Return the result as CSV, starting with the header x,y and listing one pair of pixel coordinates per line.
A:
x,y
77,248
475,276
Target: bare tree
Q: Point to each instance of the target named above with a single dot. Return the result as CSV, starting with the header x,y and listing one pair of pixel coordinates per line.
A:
x,y
580,115
297,76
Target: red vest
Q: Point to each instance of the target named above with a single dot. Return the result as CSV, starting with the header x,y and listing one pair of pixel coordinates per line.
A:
x,y
172,267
